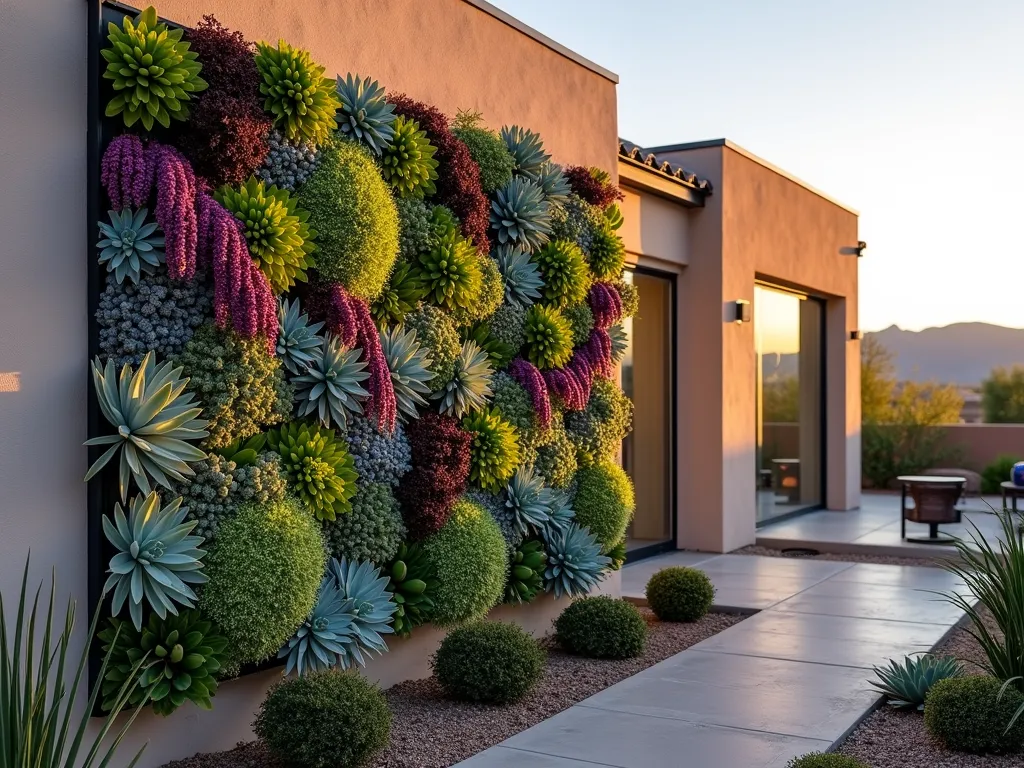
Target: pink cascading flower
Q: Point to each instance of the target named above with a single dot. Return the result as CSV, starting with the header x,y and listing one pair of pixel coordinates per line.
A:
x,y
532,381
126,172
330,303
572,384
598,353
605,304
564,383
176,209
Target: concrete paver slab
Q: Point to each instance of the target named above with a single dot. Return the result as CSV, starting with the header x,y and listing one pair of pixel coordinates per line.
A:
x,y
873,601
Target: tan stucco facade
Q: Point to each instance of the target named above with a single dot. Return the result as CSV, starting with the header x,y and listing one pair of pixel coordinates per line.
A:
x,y
759,224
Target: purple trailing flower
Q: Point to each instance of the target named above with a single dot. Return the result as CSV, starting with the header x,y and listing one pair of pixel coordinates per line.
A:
x,y
126,172
564,383
605,304
526,373
176,209
597,351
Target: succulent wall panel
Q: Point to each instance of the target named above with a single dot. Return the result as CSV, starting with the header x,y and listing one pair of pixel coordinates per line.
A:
x,y
354,362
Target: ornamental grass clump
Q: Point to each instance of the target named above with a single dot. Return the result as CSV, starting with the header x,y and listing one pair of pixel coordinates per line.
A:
x,y
975,714
491,662
293,719
265,572
301,100
604,501
602,628
319,468
680,594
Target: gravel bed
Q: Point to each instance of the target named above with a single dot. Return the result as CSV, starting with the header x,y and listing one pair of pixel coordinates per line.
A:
x,y
429,731
753,549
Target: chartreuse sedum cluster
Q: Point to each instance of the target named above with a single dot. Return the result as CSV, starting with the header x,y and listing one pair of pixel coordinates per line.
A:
x,y
366,386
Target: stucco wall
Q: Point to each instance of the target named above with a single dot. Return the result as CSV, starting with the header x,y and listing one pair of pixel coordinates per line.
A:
x,y
446,52
654,227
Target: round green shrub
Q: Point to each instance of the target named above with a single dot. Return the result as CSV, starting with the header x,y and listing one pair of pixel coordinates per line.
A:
x,y
997,472
324,720
355,218
599,429
968,715
436,332
556,457
602,628
413,228
264,573
506,325
680,594
489,661
825,760
604,501
490,153
372,530
468,554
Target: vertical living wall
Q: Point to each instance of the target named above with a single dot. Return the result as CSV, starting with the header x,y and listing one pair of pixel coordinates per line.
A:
x,y
354,362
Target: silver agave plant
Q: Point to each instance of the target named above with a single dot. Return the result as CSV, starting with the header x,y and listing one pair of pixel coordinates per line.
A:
x,y
332,386
471,386
560,512
297,339
575,562
368,603
521,276
129,246
527,148
320,641
552,180
364,115
156,557
154,418
520,214
410,368
529,501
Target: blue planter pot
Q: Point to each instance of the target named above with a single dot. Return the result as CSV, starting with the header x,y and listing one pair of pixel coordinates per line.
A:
x,y
1017,473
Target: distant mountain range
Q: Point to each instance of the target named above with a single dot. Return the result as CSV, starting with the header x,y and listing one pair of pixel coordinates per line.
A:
x,y
962,353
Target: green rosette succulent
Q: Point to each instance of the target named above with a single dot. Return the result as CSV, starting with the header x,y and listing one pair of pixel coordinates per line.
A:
x,y
522,278
301,100
450,269
129,246
498,352
276,231
319,467
363,114
469,388
297,341
613,216
409,364
575,562
332,386
243,453
527,148
494,450
152,71
177,659
548,337
155,420
620,342
526,572
400,296
563,268
412,583
408,163
520,214
607,254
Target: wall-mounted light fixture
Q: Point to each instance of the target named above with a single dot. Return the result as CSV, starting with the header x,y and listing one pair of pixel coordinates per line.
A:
x,y
741,311
856,335
858,250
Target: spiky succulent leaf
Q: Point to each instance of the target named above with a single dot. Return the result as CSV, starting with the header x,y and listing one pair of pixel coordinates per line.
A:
x,y
494,450
526,572
368,602
552,180
620,341
129,246
617,554
548,337
907,684
527,149
152,71
563,268
449,270
410,368
156,557
607,254
498,352
363,114
332,386
297,342
319,467
301,100
408,162
614,217
522,278
275,228
400,296
320,641
412,584
560,512
575,562
469,389
154,417
520,214
243,453
175,659
529,501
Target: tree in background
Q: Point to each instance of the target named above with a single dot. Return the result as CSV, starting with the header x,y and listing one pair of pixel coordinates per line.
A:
x,y
896,416
1002,396
780,400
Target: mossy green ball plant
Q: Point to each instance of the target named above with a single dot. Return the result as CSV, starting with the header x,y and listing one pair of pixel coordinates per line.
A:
x,y
152,71
276,231
320,470
494,451
973,714
563,269
469,557
488,661
351,208
548,337
604,501
602,628
265,571
825,760
301,100
680,594
488,150
408,163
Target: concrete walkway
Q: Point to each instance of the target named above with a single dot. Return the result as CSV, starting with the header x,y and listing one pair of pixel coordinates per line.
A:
x,y
788,680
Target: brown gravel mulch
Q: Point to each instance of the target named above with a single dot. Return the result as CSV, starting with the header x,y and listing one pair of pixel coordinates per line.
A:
x,y
430,731
840,557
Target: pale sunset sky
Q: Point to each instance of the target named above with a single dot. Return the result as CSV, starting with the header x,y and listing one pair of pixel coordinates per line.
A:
x,y
910,111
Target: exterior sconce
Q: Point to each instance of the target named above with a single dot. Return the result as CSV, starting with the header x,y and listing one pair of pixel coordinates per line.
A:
x,y
856,335
858,251
741,311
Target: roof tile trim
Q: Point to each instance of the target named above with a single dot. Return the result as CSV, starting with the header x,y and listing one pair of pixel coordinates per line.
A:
x,y
631,151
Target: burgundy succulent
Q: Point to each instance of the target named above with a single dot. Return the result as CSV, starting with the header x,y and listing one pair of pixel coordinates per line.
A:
x,y
440,470
605,304
126,172
595,191
459,184
175,209
532,381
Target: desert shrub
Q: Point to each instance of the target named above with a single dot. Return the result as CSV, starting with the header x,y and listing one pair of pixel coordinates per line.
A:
x,y
602,628
604,501
324,720
969,715
264,572
825,760
469,556
998,472
680,594
488,661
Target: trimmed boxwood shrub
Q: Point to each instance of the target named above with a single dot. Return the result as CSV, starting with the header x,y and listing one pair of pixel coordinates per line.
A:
x,y
680,594
602,628
490,661
604,501
825,760
324,720
968,715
